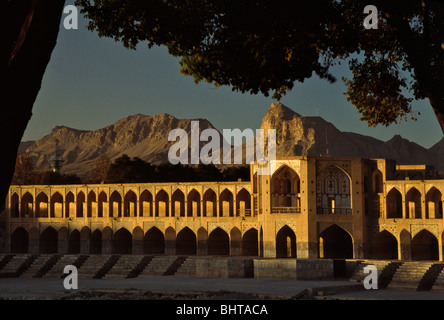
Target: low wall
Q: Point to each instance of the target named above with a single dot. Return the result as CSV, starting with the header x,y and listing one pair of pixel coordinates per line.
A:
x,y
292,269
224,268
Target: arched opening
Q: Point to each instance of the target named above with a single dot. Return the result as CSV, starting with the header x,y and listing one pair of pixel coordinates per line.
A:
x,y
162,204
424,246
226,203
178,204
91,210
186,242
243,203
96,242
80,204
41,204
146,204
209,203
20,241
336,243
27,205
413,204
433,204
115,204
102,205
14,206
138,240
385,246
48,241
122,242
74,242
377,181
286,243
218,243
154,242
69,204
56,205
193,203
285,189
394,204
250,245
130,204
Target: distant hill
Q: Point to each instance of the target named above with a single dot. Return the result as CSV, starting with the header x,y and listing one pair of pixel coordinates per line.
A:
x,y
139,135
313,136
146,137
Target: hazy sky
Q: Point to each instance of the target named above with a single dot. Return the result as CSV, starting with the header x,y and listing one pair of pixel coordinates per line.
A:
x,y
92,82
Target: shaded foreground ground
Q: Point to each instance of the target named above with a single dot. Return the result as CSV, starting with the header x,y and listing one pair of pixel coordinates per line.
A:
x,y
193,288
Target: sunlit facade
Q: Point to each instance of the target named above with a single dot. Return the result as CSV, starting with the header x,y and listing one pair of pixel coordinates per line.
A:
x,y
310,207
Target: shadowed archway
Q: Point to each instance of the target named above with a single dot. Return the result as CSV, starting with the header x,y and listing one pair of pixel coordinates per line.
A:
x,y
335,243
285,243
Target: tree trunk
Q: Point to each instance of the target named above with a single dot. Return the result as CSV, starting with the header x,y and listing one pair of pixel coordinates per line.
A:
x,y
29,34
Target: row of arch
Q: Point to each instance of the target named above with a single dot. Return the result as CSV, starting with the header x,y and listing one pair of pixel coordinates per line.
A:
x,y
411,207
131,205
154,241
333,242
423,246
186,241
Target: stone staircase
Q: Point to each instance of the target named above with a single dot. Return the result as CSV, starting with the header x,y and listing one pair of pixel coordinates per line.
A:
x,y
123,267
68,259
41,265
158,266
5,260
188,268
438,285
409,275
177,263
359,274
109,264
92,265
137,270
386,269
17,265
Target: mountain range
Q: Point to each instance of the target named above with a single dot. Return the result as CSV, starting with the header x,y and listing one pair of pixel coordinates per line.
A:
x,y
146,137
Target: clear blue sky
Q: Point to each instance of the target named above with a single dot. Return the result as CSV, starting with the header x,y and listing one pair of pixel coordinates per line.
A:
x,y
92,82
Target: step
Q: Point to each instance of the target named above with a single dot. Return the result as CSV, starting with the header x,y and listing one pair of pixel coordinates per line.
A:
x,y
140,267
439,283
429,279
41,266
107,266
158,266
177,263
16,265
123,267
57,270
92,265
409,275
5,259
188,268
359,274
